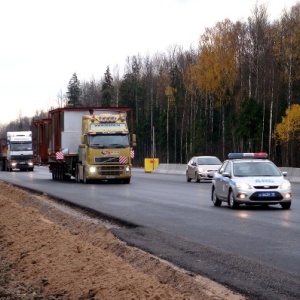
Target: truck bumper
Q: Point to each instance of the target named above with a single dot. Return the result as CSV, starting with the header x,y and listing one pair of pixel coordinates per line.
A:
x,y
108,172
121,173
22,165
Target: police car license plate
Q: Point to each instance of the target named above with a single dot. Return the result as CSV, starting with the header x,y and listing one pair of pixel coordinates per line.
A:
x,y
262,195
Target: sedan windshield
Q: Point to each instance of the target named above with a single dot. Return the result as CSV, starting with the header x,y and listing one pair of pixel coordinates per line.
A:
x,y
241,169
208,161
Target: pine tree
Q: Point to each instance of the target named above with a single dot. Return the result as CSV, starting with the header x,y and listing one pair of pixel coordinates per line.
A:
x,y
107,89
74,92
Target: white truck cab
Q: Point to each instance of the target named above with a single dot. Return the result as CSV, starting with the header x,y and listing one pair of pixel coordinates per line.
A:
x,y
19,151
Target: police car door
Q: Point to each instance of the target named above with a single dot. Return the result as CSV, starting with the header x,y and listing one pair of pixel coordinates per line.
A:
x,y
226,179
219,180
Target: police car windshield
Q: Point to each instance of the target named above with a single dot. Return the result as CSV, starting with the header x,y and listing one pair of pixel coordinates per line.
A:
x,y
244,169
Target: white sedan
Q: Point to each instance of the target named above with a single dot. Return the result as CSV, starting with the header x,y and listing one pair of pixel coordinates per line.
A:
x,y
202,168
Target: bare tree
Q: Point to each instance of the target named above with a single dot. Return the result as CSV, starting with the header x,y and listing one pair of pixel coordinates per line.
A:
x,y
61,99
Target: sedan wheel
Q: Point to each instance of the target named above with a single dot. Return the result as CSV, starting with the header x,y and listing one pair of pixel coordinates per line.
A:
x,y
215,199
188,179
231,201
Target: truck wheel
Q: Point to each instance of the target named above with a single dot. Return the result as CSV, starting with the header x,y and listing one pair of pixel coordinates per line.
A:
x,y
126,180
77,178
85,180
60,174
66,177
54,173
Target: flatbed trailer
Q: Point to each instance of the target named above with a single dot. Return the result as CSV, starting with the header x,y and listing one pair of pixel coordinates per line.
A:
x,y
65,141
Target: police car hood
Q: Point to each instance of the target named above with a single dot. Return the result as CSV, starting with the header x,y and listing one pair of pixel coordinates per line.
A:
x,y
262,180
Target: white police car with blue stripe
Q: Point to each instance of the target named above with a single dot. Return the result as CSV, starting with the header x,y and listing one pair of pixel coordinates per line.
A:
x,y
250,179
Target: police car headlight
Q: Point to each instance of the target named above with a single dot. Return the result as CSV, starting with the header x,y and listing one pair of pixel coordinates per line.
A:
x,y
243,186
285,185
92,170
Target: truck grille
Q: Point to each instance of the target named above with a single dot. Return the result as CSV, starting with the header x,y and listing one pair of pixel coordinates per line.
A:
x,y
21,157
110,170
107,159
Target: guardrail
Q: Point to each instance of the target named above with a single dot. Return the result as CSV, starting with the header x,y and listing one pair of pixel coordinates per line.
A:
x,y
293,174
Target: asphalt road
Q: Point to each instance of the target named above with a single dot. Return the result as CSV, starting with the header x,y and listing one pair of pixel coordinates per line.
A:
x,y
252,250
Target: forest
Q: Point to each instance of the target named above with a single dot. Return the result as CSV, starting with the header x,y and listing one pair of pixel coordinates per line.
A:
x,y
237,91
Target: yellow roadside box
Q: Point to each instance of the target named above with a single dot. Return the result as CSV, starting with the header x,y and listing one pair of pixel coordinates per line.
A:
x,y
151,164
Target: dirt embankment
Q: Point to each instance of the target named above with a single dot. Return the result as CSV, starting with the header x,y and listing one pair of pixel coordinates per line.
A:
x,y
51,251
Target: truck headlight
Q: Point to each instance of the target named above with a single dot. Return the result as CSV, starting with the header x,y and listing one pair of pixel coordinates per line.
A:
x,y
92,170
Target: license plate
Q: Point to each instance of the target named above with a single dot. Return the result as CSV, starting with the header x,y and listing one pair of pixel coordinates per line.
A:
x,y
22,163
262,195
110,177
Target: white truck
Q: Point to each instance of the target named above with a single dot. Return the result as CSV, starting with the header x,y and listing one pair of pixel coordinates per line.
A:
x,y
19,152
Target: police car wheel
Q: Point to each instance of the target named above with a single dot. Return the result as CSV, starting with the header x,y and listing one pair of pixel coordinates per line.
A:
x,y
215,199
286,205
231,201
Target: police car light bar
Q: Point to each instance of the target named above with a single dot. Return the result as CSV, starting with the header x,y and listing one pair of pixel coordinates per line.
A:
x,y
248,155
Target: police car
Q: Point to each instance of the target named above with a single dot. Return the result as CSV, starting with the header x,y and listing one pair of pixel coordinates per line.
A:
x,y
251,179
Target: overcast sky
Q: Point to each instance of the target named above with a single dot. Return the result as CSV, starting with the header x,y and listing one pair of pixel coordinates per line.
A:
x,y
44,42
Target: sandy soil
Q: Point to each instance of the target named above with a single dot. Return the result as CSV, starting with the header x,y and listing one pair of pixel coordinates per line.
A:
x,y
51,251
